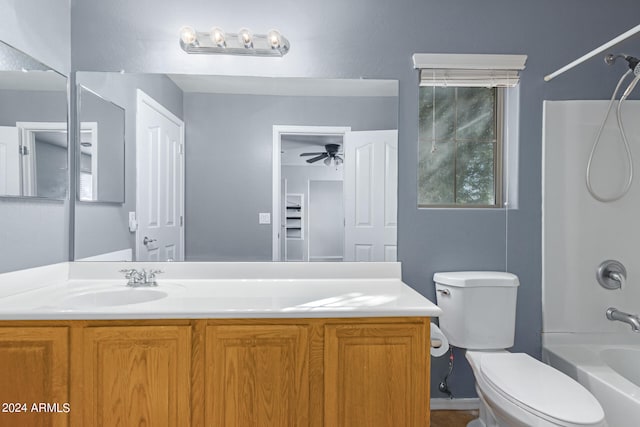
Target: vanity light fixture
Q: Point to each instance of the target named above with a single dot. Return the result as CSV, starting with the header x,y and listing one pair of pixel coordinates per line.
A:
x,y
242,43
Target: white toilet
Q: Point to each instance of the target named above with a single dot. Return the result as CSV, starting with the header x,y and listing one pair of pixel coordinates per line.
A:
x,y
479,313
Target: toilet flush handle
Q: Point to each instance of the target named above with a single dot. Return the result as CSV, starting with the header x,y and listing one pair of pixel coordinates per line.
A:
x,y
443,291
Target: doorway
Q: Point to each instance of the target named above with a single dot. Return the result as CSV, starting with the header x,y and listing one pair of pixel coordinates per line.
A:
x,y
291,224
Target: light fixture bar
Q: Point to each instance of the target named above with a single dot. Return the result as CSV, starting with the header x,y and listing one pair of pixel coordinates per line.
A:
x,y
241,43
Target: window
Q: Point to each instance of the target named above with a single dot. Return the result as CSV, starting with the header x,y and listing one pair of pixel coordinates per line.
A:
x,y
461,119
460,147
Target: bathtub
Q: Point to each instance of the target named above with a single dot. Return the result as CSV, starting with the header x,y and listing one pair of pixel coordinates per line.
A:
x,y
608,365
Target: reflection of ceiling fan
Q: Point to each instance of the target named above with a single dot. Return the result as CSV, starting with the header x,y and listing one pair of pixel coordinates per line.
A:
x,y
331,153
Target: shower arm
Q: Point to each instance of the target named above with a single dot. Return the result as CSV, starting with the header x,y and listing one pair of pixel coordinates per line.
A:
x,y
594,52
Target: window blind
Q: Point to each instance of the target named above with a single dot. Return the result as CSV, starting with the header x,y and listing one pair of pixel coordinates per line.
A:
x,y
469,70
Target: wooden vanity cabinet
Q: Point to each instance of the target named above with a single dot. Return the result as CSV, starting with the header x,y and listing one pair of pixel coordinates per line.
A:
x,y
257,375
321,372
34,370
375,375
136,375
219,372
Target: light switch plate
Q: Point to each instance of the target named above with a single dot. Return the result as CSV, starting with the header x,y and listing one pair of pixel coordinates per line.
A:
x,y
133,222
264,218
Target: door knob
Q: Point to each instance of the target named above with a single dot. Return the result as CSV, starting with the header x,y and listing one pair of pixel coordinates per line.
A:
x,y
147,240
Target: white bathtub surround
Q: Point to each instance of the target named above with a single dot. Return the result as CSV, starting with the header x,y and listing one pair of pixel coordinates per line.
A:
x,y
578,234
223,290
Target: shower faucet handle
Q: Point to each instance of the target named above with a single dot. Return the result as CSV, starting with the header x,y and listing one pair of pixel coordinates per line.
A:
x,y
611,274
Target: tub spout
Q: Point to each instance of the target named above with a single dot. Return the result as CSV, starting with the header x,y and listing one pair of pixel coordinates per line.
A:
x,y
631,319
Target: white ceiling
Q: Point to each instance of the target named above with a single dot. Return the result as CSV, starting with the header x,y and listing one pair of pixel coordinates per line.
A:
x,y
284,86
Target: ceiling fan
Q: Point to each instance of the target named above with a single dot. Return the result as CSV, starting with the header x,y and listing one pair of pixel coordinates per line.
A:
x,y
332,152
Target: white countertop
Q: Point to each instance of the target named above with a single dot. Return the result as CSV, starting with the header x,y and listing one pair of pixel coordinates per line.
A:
x,y
75,292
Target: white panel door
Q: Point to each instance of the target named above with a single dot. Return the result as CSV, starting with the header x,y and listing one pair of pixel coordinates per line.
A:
x,y
9,161
371,195
160,182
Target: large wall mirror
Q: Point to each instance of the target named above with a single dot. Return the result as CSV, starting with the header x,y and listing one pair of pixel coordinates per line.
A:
x,y
33,128
223,168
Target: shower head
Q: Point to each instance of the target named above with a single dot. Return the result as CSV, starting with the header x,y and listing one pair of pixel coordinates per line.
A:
x,y
633,61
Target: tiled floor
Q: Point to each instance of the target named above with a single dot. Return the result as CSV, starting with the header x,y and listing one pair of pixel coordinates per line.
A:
x,y
452,418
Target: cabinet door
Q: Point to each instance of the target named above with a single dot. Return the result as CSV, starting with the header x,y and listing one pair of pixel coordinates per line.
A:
x,y
257,375
34,369
135,376
376,375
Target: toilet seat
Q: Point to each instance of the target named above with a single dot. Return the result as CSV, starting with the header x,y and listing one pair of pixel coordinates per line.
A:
x,y
537,388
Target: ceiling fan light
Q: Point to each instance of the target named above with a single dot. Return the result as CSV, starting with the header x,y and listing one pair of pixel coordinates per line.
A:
x,y
339,160
327,161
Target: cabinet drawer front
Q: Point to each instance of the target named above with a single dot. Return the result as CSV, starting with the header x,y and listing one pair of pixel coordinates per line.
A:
x,y
257,375
137,376
373,375
35,370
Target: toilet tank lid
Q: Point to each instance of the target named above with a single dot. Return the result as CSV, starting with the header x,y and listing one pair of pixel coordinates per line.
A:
x,y
477,279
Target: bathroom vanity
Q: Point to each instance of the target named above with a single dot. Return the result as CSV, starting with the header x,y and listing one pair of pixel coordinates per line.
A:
x,y
348,347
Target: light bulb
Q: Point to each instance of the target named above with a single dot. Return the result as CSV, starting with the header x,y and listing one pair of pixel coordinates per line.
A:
x,y
217,37
275,40
188,35
245,37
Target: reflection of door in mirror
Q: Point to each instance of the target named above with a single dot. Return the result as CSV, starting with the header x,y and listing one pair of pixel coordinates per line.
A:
x,y
33,134
9,161
356,221
159,183
43,149
371,189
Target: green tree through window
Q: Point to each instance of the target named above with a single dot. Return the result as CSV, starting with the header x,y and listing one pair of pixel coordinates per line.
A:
x,y
459,147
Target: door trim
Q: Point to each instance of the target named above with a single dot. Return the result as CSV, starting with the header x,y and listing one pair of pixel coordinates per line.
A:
x,y
143,99
278,131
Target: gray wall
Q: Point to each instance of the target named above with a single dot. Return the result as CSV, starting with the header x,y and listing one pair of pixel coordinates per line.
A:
x,y
228,163
334,38
104,227
32,106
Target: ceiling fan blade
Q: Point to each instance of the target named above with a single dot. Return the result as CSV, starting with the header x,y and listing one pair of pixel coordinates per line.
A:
x,y
320,157
311,154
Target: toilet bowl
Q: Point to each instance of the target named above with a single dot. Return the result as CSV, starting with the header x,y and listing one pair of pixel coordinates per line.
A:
x,y
514,388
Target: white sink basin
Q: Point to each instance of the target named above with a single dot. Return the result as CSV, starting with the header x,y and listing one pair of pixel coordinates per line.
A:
x,y
112,297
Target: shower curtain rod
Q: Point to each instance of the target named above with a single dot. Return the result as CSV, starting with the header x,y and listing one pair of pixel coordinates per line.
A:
x,y
594,52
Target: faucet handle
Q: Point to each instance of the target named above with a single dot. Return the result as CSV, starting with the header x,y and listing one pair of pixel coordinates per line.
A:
x,y
151,277
128,272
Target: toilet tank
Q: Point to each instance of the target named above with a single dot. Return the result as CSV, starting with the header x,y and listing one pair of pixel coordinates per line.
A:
x,y
479,308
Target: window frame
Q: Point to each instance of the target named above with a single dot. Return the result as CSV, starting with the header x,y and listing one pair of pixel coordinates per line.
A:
x,y
498,163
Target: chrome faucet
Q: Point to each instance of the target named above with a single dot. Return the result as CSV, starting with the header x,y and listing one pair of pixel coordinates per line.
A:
x,y
141,278
631,319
